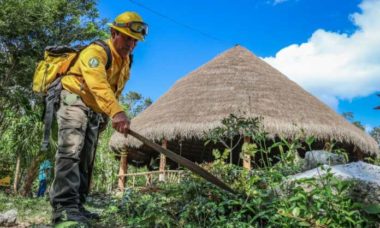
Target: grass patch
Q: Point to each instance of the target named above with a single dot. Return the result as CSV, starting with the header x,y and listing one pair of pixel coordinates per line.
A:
x,y
29,210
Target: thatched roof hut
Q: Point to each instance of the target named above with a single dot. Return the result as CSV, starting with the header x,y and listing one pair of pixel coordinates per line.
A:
x,y
237,81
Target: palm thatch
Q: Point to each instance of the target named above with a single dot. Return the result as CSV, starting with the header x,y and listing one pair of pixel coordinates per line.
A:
x,y
238,82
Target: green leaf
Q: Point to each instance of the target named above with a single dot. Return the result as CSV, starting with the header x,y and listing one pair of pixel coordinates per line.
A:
x,y
350,219
296,211
305,224
372,208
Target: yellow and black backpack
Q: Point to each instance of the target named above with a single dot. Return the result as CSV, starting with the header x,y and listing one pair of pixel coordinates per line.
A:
x,y
57,62
47,79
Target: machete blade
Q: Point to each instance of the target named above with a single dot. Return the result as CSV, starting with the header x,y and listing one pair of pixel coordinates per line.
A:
x,y
183,161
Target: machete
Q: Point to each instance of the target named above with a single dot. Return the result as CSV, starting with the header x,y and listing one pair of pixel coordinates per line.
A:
x,y
182,161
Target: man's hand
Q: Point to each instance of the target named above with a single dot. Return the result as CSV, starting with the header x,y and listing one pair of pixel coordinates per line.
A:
x,y
120,122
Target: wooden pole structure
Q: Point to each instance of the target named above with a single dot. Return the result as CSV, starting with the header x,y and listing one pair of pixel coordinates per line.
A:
x,y
161,177
247,158
122,171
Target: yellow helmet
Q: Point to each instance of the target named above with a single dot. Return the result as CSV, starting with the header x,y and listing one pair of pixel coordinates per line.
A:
x,y
130,24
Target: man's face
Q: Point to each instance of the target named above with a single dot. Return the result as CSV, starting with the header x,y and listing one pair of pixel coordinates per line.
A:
x,y
123,44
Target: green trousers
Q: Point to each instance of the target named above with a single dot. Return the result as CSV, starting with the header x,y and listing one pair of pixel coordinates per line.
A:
x,y
78,128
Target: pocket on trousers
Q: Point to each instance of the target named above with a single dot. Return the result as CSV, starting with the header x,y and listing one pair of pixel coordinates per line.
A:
x,y
72,122
70,143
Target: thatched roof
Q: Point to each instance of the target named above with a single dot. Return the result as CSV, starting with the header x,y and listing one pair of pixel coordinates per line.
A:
x,y
237,81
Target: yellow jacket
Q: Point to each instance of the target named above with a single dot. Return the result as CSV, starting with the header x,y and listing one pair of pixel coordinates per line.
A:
x,y
98,88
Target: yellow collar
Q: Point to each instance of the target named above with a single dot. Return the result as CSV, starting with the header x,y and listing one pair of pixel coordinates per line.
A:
x,y
115,55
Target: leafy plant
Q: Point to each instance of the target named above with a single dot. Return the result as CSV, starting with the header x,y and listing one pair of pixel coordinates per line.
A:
x,y
267,197
232,131
269,200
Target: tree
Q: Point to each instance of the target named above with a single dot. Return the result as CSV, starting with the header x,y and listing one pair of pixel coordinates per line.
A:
x,y
350,117
375,133
18,141
26,28
135,103
231,132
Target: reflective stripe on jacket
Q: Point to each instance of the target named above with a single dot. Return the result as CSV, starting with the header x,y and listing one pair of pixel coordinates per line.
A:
x,y
98,88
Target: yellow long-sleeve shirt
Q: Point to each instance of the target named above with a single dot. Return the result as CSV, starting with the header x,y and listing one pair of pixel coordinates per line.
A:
x,y
99,88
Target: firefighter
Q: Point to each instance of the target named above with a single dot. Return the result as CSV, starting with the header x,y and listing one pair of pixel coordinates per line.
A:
x,y
89,96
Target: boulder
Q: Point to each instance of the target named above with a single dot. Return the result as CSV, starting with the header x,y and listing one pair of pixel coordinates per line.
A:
x,y
315,158
8,218
366,177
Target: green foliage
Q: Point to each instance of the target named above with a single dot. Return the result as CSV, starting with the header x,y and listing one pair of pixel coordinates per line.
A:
x,y
375,133
373,160
106,165
21,136
231,128
19,132
350,117
29,211
26,28
134,103
268,200
326,204
221,157
234,128
267,196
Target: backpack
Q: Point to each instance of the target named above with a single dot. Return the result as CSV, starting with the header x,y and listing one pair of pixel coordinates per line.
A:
x,y
57,62
47,79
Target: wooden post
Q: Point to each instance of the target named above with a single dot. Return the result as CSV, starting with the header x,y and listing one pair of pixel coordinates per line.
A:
x,y
17,173
122,171
179,177
247,158
150,180
161,177
147,180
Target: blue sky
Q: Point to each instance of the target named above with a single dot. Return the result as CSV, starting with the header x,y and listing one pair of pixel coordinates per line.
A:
x,y
328,47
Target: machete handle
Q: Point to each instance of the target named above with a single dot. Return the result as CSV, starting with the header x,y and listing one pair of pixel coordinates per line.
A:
x,y
182,161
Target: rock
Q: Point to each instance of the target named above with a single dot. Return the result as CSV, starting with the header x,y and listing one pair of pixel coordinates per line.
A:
x,y
315,158
8,218
366,177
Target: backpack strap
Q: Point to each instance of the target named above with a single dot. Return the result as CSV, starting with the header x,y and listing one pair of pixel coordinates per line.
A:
x,y
51,107
108,51
109,55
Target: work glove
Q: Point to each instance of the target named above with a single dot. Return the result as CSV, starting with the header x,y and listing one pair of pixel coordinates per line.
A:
x,y
120,122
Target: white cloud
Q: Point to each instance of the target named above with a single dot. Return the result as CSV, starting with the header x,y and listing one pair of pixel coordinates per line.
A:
x,y
334,65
